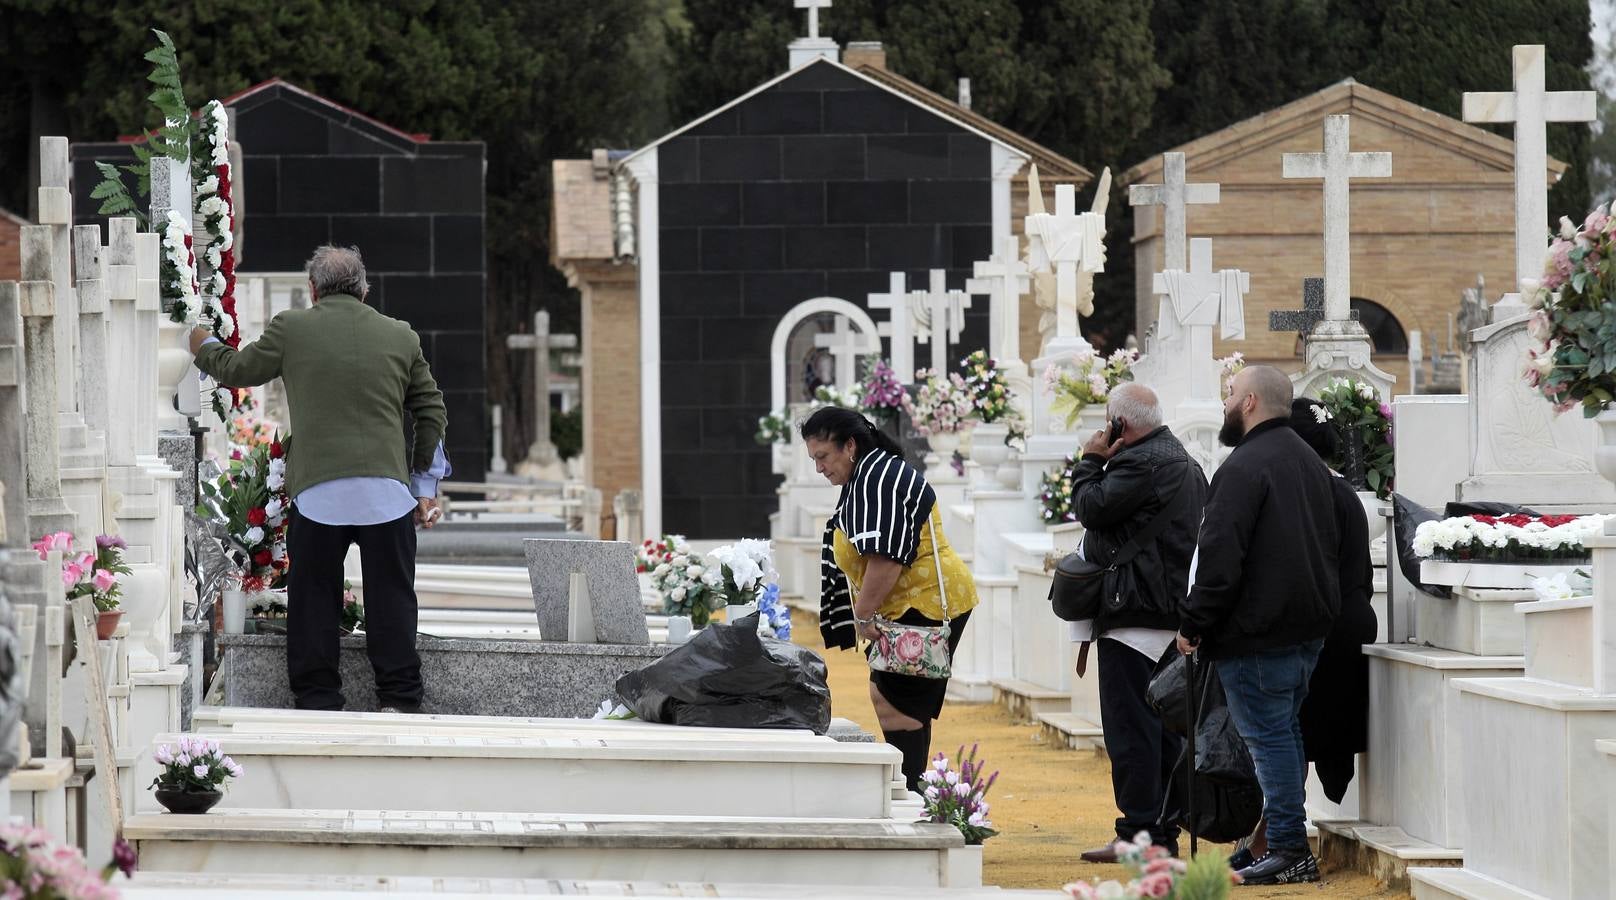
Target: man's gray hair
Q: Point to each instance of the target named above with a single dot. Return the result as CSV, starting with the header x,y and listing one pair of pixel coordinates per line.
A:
x,y
1137,405
337,270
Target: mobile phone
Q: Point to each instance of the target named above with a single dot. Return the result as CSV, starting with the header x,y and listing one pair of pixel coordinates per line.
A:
x,y
1116,431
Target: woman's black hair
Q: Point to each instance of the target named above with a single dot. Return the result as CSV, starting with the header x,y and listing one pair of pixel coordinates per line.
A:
x,y
1320,436
839,426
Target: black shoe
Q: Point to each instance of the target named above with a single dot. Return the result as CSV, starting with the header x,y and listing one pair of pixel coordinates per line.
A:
x,y
1241,859
1281,867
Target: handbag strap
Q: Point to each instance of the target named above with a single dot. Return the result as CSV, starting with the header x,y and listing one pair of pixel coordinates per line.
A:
x,y
1152,528
937,559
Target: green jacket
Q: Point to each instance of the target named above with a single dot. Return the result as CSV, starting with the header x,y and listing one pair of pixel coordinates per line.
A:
x,y
350,374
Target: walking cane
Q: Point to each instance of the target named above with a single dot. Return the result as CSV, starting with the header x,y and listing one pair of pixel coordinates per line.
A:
x,y
1189,752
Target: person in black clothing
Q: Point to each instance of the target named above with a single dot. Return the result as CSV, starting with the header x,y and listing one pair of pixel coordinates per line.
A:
x,y
1267,590
1335,715
1120,486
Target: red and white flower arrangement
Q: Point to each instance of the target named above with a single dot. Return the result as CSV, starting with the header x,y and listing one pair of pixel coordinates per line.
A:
x,y
250,496
216,217
1515,538
179,270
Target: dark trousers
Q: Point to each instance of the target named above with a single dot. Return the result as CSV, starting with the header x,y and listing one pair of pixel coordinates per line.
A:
x,y
314,610
1142,751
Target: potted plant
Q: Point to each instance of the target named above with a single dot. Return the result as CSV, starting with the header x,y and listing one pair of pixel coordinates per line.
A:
x,y
678,578
1363,425
738,574
1088,380
992,404
883,395
940,410
93,575
35,866
194,771
1573,308
956,796
249,497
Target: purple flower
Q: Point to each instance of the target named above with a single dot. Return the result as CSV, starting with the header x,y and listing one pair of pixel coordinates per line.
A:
x,y
110,540
124,857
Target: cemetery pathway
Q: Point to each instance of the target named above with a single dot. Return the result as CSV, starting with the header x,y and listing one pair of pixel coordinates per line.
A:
x,y
1049,804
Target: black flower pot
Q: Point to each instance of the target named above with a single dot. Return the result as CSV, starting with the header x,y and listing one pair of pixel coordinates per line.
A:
x,y
188,802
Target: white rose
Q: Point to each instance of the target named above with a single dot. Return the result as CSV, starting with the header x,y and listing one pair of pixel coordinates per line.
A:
x,y
273,507
677,595
277,467
277,551
253,536
1365,391
275,481
661,570
695,571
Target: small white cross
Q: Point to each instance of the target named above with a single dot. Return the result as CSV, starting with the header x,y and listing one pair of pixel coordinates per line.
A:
x,y
1337,166
846,346
899,328
813,7
942,317
1530,108
1172,194
1004,278
1196,301
1067,242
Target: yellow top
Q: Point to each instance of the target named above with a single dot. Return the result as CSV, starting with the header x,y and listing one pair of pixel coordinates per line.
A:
x,y
917,585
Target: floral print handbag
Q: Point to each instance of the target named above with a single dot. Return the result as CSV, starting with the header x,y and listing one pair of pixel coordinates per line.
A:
x,y
918,650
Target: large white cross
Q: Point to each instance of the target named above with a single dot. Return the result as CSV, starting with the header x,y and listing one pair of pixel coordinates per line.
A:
x,y
1530,108
899,327
1197,300
1067,242
813,7
942,317
846,346
1337,166
1172,195
1004,278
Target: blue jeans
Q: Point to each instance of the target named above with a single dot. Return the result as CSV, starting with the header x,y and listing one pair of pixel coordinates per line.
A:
x,y
1265,692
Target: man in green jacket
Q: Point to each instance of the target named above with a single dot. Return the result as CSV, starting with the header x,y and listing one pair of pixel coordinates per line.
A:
x,y
351,376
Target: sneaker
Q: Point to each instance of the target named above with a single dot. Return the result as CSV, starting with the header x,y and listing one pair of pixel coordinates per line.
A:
x,y
1241,859
1281,867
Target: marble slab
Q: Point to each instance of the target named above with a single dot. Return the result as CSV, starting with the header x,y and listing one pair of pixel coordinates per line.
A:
x,y
314,842
1481,621
1411,777
519,774
462,677
1559,640
614,591
1492,575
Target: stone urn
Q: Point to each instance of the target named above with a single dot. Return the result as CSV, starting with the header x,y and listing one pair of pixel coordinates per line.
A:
x,y
989,451
1605,453
1373,507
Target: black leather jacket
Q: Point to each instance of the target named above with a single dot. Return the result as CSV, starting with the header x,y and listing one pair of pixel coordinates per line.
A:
x,y
1117,498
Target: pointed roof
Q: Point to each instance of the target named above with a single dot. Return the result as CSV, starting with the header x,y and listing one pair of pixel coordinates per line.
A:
x,y
1359,100
330,107
912,93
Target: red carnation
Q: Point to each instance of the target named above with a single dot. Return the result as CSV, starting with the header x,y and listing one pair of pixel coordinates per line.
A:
x,y
257,516
275,450
262,558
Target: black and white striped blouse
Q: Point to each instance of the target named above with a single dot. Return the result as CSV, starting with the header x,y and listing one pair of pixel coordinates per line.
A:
x,y
882,509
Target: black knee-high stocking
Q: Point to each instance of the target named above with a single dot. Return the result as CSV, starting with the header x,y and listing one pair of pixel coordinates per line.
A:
x,y
915,745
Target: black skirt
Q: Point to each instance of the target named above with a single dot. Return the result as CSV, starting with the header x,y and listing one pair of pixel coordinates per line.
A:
x,y
919,698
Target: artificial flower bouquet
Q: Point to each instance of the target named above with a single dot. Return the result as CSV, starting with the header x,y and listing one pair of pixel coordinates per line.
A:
x,y
353,609
653,552
86,574
35,866
991,399
1090,379
739,573
1514,538
250,498
955,796
1228,367
1055,493
1363,424
881,393
678,577
774,617
941,405
193,765
1153,872
1573,317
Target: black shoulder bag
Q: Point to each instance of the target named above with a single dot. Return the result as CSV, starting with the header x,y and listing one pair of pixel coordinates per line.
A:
x,y
1079,589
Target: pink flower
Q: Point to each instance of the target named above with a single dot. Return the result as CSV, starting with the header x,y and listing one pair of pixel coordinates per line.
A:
x,y
104,580
1560,258
1596,222
1080,890
1159,884
910,646
71,574
1539,326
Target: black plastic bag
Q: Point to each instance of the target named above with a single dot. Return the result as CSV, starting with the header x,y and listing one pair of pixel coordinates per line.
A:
x,y
1227,799
1407,516
1457,508
729,676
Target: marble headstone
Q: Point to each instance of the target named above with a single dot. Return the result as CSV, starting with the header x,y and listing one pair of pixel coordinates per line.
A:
x,y
614,591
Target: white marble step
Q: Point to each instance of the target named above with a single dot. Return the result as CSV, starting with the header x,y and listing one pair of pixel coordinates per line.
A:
x,y
821,851
262,720
521,774
163,885
1463,884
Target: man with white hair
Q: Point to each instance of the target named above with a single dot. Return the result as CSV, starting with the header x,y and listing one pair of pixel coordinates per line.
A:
x,y
1137,492
353,377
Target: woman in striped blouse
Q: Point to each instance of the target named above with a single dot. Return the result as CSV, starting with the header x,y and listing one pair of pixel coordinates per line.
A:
x,y
877,562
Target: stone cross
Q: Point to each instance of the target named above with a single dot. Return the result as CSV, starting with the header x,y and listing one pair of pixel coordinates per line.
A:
x,y
899,327
1529,107
541,341
496,462
148,306
1004,278
56,213
846,346
813,7
1337,165
1068,242
13,446
1197,300
123,336
942,317
1312,311
1172,195
92,297
47,511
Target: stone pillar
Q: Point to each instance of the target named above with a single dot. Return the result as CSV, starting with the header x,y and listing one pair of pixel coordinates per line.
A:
x,y
92,309
13,446
148,306
56,215
37,302
123,339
